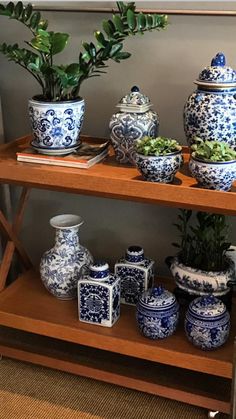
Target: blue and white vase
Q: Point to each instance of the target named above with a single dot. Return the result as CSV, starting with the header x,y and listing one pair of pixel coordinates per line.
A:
x,y
161,169
99,296
136,273
134,121
56,126
207,322
62,266
210,112
157,313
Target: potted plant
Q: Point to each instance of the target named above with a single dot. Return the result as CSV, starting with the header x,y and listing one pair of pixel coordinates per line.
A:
x,y
56,113
158,159
213,164
202,264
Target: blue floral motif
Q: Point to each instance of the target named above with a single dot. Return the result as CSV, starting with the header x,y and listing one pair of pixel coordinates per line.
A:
x,y
160,169
210,175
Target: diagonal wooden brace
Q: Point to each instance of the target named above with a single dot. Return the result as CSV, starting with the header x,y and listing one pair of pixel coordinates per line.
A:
x,y
13,242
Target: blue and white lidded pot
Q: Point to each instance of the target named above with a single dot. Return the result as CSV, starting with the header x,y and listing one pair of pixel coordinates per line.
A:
x,y
157,313
99,296
134,121
210,111
207,322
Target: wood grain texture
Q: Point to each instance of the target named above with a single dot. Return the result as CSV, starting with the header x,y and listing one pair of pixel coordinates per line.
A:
x,y
110,179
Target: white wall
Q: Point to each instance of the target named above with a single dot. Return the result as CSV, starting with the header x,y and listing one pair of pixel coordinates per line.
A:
x,y
164,65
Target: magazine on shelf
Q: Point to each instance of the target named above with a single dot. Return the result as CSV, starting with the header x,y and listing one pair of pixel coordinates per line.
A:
x,y
84,157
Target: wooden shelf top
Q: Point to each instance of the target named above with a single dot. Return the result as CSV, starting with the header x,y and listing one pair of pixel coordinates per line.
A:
x,y
112,180
26,305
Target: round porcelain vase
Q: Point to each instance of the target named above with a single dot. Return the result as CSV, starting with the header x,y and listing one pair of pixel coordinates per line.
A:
x,y
56,126
210,111
62,266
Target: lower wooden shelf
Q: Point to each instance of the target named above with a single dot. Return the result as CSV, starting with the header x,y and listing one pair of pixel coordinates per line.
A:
x,y
38,328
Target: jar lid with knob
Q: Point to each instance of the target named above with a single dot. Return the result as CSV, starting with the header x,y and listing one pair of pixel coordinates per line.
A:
x,y
157,298
134,102
218,74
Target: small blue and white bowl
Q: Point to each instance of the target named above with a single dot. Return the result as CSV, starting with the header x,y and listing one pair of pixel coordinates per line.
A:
x,y
213,175
207,323
160,169
157,313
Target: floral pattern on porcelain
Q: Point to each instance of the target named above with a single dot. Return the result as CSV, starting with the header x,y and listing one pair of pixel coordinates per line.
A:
x,y
99,297
213,175
62,266
198,282
160,169
157,313
210,112
56,126
207,323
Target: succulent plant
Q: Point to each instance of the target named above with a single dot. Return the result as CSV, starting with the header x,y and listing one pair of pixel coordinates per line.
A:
x,y
213,151
159,146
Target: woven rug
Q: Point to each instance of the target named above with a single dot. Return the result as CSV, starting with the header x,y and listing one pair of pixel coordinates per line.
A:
x,y
32,392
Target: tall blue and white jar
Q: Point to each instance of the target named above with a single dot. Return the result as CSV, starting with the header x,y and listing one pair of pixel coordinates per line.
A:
x,y
62,266
210,111
136,273
99,296
134,121
207,323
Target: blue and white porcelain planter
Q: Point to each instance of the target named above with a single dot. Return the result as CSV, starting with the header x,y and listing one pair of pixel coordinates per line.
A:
x,y
213,175
160,169
207,323
99,296
62,266
198,282
134,121
56,126
136,273
157,313
210,112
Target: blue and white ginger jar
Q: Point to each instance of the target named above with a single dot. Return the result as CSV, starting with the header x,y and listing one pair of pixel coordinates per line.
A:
x,y
210,112
134,121
56,126
136,273
99,296
207,322
62,266
157,313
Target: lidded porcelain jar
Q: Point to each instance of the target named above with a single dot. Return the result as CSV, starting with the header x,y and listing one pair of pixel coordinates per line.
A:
x,y
136,273
134,121
157,313
99,296
207,322
210,112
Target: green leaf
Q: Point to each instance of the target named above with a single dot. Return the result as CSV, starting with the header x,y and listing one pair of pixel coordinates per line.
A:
x,y
131,20
118,23
43,24
141,21
115,49
35,19
58,42
10,8
73,69
108,28
18,9
100,38
122,55
27,12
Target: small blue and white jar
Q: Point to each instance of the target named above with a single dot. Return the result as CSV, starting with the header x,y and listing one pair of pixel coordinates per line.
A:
x,y
99,296
213,175
62,266
207,323
134,121
56,126
157,313
210,112
136,273
160,169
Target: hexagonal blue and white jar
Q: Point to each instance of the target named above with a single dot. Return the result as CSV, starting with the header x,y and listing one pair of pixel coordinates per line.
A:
x,y
157,313
99,296
134,121
207,323
210,111
136,273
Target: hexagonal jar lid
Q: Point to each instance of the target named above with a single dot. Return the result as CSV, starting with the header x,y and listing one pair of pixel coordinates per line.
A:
x,y
157,298
218,73
134,102
207,307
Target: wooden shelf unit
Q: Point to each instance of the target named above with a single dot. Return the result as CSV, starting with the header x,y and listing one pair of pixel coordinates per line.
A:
x,y
38,328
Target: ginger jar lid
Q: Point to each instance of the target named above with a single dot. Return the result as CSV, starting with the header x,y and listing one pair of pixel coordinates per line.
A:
x,y
207,307
99,270
134,254
217,74
157,298
134,102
